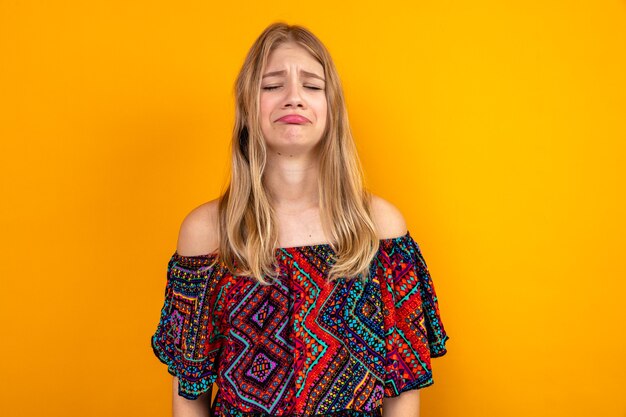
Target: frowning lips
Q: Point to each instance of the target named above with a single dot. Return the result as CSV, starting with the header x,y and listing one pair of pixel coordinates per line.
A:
x,y
294,118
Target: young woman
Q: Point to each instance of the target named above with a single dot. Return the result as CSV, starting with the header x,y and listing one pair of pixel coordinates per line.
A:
x,y
297,292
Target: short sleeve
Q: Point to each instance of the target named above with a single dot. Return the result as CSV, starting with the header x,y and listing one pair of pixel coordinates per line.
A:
x,y
188,337
414,331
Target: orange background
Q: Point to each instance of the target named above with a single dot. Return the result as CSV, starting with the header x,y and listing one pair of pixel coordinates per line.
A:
x,y
496,127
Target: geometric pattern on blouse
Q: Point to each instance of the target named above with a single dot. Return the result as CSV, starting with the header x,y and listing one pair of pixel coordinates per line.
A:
x,y
301,347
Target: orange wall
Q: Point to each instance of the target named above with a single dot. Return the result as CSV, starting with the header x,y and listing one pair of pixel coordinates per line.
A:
x,y
496,127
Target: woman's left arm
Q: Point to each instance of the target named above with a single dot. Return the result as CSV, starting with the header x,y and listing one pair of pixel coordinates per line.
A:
x,y
407,404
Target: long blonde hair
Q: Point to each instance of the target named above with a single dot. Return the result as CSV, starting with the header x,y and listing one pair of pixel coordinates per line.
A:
x,y
247,231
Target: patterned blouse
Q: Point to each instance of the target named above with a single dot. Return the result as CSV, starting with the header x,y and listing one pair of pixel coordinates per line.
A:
x,y
301,347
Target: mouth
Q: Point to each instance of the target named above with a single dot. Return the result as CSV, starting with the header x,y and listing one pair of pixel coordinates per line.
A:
x,y
294,119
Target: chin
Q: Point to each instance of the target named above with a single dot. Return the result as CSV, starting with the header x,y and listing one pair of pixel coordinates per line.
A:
x,y
293,145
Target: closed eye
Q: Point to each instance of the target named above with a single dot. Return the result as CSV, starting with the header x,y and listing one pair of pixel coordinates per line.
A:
x,y
274,87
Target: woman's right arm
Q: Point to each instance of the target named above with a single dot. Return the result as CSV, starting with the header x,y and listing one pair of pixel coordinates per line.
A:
x,y
197,235
407,404
182,407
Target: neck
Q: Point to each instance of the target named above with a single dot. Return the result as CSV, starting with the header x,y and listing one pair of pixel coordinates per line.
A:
x,y
292,182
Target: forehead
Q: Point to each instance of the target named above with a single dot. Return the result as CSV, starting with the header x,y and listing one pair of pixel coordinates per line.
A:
x,y
290,53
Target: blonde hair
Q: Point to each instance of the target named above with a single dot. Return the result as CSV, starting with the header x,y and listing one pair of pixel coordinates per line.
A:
x,y
247,234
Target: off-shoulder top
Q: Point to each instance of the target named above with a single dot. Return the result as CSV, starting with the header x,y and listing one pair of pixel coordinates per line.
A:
x,y
301,347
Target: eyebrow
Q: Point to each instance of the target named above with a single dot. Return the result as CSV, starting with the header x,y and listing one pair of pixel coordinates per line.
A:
x,y
302,72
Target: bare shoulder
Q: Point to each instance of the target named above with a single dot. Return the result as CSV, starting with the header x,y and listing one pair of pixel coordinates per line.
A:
x,y
198,231
387,218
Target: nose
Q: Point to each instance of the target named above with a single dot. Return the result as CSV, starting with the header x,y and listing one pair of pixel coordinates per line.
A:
x,y
293,96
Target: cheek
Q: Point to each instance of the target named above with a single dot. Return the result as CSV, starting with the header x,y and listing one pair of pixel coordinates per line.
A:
x,y
264,116
263,106
323,111
267,103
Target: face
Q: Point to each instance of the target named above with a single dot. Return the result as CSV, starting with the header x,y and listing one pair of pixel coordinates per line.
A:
x,y
292,84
